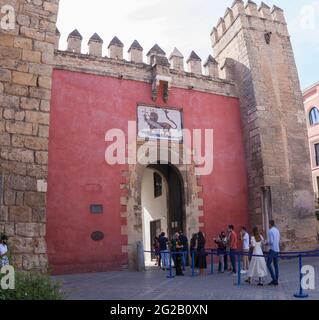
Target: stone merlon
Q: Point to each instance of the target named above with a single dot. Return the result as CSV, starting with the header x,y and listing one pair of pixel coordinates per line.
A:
x,y
177,60
136,46
211,67
193,56
156,50
96,38
75,41
75,34
95,45
264,11
116,49
135,52
194,63
116,42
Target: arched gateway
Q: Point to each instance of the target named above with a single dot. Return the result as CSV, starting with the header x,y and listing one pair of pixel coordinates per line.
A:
x,y
163,203
161,197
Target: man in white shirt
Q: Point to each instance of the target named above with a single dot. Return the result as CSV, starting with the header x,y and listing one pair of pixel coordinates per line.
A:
x,y
273,242
245,239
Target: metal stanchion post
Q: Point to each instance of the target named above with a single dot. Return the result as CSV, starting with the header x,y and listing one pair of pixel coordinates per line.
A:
x,y
193,263
300,294
238,271
212,262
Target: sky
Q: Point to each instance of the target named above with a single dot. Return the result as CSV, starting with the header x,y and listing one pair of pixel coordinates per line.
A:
x,y
185,24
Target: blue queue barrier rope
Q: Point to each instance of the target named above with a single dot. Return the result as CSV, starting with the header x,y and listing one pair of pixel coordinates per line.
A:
x,y
239,254
305,254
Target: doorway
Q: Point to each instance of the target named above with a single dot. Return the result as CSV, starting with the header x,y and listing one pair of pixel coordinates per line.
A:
x,y
163,204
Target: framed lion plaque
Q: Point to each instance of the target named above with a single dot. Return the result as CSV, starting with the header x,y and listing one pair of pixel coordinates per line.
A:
x,y
159,123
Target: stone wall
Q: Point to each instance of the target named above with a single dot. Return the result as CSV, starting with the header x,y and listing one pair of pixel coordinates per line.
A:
x,y
26,62
255,44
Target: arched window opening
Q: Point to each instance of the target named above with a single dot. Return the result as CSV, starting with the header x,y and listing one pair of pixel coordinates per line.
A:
x,y
314,116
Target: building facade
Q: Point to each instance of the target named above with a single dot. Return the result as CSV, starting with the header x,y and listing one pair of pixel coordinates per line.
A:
x,y
84,178
311,101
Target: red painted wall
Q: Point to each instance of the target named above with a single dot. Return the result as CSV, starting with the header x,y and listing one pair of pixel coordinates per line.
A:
x,y
83,108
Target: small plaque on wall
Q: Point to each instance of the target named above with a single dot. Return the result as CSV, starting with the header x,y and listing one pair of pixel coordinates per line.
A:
x,y
96,208
97,236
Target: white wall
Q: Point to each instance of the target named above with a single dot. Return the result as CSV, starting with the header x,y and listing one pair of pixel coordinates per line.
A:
x,y
152,209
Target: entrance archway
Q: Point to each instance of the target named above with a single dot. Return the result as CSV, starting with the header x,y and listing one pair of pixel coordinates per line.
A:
x,y
163,204
191,208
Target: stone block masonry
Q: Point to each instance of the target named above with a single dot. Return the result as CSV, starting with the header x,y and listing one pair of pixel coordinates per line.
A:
x,y
255,44
26,62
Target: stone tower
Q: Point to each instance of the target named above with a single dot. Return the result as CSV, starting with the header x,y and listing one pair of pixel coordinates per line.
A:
x,y
27,40
253,48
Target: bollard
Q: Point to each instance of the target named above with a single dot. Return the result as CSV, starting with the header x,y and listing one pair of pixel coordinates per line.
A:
x,y
170,275
238,271
193,263
212,262
300,294
140,256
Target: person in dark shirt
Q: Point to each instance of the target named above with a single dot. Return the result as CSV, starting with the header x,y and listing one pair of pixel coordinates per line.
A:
x,y
193,248
177,249
221,243
184,241
164,252
202,264
157,250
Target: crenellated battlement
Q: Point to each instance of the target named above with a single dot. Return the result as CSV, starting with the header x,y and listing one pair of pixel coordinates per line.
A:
x,y
156,55
127,70
247,12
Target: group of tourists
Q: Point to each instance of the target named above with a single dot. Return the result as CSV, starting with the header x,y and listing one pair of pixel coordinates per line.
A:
x,y
254,264
178,245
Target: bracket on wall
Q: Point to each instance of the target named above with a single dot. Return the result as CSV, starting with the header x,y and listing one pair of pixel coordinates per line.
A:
x,y
166,81
161,75
268,37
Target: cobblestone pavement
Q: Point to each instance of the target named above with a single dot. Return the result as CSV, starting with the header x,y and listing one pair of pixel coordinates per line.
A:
x,y
154,285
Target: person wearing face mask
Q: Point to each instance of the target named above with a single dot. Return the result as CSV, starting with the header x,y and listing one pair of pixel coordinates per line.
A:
x,y
221,243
